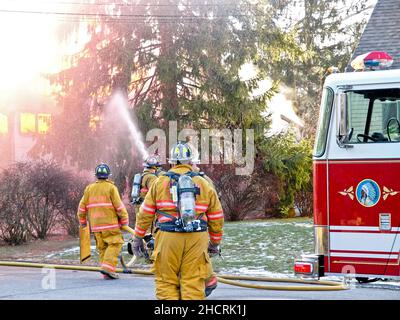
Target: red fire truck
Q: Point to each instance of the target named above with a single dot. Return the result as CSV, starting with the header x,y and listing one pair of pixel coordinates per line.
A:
x,y
356,167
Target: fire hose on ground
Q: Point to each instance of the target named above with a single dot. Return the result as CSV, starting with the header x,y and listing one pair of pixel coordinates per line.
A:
x,y
234,280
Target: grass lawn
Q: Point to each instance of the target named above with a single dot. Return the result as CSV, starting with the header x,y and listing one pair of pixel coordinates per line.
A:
x,y
261,247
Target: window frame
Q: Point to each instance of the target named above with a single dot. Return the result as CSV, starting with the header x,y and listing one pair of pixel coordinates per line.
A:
x,y
36,129
367,124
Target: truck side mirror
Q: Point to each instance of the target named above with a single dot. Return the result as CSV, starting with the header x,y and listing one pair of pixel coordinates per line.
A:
x,y
343,133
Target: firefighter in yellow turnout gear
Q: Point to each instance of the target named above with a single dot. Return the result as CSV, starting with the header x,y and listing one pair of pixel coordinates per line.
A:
x,y
101,204
181,259
141,185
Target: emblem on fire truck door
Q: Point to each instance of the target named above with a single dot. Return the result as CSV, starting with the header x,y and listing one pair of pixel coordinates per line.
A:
x,y
368,193
388,192
348,192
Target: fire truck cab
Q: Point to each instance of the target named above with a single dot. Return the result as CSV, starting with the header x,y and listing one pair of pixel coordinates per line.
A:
x,y
356,167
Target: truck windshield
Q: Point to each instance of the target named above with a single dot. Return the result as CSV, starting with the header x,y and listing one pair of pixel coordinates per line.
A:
x,y
373,115
323,125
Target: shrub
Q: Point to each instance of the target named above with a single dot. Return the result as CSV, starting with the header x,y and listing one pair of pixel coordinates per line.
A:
x,y
14,227
291,161
69,205
35,197
47,185
244,196
304,201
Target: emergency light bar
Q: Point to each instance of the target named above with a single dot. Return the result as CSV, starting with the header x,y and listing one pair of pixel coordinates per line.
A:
x,y
374,60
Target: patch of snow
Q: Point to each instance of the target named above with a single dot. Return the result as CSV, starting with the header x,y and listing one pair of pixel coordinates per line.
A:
x,y
67,251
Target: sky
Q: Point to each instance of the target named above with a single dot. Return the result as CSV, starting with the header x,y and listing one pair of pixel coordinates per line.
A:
x,y
29,46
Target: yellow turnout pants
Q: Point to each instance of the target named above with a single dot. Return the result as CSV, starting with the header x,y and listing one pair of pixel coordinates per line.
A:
x,y
109,244
181,265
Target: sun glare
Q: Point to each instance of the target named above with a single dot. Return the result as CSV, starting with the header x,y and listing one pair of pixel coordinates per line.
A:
x,y
29,45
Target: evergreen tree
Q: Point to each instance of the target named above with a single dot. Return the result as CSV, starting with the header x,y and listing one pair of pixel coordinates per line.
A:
x,y
175,60
328,31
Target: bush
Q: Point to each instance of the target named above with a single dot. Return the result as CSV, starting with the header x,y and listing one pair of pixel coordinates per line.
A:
x,y
35,197
304,201
48,185
14,227
69,205
236,196
244,196
281,180
291,161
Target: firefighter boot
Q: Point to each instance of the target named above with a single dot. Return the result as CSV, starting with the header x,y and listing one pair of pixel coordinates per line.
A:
x,y
109,275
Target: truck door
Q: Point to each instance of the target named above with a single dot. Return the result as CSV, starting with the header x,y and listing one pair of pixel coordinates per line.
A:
x,y
364,183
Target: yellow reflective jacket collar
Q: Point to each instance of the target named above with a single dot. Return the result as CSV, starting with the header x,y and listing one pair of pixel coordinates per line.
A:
x,y
149,170
181,168
104,180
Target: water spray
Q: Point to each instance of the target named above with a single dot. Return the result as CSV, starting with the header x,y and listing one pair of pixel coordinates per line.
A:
x,y
120,105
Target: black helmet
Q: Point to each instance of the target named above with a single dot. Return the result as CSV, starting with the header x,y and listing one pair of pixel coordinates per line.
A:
x,y
102,171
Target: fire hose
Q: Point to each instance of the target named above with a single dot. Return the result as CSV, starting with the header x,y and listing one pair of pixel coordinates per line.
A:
x,y
234,280
316,285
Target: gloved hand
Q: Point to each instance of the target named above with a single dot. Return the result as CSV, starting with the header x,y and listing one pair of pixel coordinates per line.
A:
x,y
150,245
138,247
213,249
149,240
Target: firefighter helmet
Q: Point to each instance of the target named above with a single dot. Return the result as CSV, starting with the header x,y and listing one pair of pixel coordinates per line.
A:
x,y
152,161
180,153
102,171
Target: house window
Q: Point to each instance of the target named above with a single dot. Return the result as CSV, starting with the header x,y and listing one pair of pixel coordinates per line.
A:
x,y
3,124
32,123
43,122
28,123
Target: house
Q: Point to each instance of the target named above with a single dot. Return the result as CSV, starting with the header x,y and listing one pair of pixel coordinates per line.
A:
x,y
382,32
22,119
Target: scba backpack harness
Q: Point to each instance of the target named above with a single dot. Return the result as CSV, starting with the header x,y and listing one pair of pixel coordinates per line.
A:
x,y
183,191
136,187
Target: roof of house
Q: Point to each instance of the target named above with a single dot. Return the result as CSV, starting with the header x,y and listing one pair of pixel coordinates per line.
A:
x,y
382,32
